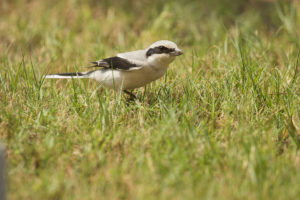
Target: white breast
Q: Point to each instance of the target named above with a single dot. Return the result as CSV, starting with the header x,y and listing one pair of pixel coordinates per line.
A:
x,y
121,79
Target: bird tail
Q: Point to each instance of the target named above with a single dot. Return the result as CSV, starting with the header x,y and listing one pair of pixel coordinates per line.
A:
x,y
68,75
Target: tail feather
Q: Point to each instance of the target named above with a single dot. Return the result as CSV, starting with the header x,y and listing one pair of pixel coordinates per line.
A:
x,y
68,75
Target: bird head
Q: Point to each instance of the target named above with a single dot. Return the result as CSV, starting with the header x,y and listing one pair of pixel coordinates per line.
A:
x,y
163,52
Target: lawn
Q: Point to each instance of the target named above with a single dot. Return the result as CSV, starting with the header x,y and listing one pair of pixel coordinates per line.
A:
x,y
224,123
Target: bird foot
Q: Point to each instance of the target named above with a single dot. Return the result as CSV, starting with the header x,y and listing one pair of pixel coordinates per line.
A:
x,y
132,97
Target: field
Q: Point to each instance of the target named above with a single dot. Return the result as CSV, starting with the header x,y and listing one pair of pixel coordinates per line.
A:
x,y
224,123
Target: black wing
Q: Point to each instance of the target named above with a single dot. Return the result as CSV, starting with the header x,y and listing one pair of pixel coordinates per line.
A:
x,y
115,63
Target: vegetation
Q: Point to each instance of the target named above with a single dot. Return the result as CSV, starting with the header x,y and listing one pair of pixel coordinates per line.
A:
x,y
222,124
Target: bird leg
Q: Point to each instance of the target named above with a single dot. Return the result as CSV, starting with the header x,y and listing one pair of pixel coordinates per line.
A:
x,y
132,96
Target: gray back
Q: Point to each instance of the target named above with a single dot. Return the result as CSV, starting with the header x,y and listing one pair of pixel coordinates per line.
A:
x,y
139,55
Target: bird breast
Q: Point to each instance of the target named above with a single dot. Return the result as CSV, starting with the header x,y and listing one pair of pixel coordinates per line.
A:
x,y
121,79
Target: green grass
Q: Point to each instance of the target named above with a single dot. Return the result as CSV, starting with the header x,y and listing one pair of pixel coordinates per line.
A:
x,y
222,124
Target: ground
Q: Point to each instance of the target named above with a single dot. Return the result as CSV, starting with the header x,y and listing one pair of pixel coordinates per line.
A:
x,y
222,124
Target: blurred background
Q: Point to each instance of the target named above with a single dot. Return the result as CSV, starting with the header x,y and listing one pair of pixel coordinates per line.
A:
x,y
73,25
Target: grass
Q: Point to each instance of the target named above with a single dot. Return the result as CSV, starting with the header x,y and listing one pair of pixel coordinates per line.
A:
x,y
222,124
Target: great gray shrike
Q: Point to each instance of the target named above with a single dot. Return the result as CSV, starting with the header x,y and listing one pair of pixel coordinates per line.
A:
x,y
130,70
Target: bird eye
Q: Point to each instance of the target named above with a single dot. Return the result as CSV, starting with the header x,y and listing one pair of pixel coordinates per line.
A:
x,y
161,47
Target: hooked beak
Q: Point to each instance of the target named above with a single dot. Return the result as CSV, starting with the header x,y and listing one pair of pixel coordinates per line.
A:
x,y
177,52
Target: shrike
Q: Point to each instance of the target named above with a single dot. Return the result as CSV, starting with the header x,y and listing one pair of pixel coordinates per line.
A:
x,y
130,70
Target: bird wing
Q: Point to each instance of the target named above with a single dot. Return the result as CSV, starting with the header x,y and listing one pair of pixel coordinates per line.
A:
x,y
124,61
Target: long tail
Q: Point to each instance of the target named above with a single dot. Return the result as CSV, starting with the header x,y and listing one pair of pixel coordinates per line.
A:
x,y
69,75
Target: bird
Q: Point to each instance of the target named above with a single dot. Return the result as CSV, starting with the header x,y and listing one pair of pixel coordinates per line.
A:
x,y
129,70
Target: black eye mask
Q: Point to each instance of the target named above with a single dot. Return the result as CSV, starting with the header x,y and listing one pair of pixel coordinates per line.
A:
x,y
159,50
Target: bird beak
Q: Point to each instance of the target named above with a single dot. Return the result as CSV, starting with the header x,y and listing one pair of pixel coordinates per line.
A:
x,y
177,52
